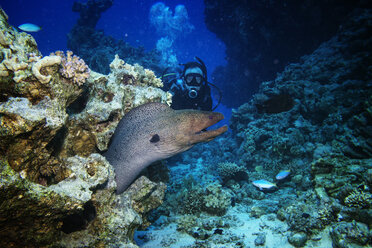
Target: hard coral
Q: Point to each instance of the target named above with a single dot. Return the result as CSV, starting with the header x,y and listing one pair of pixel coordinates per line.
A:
x,y
229,170
217,200
73,67
358,199
135,74
192,200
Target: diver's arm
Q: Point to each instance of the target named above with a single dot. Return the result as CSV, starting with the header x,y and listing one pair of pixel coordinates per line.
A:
x,y
177,85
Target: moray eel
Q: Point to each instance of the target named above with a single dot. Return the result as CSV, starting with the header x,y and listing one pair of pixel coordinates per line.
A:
x,y
152,132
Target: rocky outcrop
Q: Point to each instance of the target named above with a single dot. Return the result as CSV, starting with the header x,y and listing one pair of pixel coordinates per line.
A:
x,y
56,115
314,119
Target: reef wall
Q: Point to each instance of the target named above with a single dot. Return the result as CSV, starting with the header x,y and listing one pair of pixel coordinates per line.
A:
x,y
56,116
262,37
315,119
98,49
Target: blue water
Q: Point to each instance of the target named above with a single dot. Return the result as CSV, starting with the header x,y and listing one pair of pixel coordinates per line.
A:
x,y
125,20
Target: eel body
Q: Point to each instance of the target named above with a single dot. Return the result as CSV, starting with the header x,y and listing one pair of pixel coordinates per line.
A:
x,y
152,132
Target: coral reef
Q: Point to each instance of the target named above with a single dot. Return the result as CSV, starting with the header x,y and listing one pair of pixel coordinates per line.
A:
x,y
55,114
33,97
314,120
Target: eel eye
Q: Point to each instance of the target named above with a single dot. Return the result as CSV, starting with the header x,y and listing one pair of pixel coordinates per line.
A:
x,y
155,138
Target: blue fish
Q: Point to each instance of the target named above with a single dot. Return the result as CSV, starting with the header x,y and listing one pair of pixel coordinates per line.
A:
x,y
283,174
263,184
29,27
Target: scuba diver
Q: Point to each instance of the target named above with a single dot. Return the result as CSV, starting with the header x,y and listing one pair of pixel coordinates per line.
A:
x,y
191,89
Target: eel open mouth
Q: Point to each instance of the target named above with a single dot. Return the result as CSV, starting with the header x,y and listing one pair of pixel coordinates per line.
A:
x,y
208,135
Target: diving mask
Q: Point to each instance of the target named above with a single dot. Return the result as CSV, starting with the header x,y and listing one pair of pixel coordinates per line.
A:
x,y
194,79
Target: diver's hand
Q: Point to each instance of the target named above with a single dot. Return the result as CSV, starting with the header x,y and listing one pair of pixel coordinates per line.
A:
x,y
177,85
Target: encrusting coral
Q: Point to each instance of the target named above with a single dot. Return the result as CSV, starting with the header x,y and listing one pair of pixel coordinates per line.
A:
x,y
212,199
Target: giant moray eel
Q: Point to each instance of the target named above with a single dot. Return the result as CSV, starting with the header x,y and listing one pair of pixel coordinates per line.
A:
x,y
152,132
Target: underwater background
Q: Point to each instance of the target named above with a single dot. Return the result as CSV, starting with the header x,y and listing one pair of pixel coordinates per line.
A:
x,y
293,170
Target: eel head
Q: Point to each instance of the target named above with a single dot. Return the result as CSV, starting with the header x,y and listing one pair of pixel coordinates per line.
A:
x,y
187,128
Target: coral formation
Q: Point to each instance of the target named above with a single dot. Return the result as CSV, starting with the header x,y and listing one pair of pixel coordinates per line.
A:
x,y
217,200
55,190
73,67
358,199
352,234
228,170
195,198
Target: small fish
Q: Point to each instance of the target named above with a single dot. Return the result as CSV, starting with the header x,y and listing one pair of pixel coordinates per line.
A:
x,y
29,27
263,184
283,174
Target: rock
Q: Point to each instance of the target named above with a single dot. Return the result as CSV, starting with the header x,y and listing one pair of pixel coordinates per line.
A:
x,y
350,234
260,240
297,239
